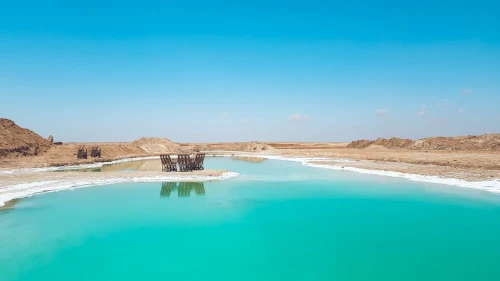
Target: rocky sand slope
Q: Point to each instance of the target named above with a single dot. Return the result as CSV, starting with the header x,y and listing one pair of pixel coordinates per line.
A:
x,y
16,141
483,142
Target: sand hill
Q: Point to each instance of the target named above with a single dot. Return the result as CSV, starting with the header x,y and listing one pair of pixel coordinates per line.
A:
x,y
232,146
483,142
157,145
16,141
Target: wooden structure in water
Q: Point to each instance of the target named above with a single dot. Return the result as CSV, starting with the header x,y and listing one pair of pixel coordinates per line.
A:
x,y
95,152
185,164
198,162
82,152
167,164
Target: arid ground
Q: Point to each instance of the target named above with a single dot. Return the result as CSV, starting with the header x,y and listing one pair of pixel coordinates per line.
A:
x,y
471,158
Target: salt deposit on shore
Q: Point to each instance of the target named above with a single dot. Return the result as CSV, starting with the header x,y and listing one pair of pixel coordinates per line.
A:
x,y
20,183
29,184
492,185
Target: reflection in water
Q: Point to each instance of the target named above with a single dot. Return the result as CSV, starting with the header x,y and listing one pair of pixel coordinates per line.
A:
x,y
9,204
150,165
183,188
140,165
249,159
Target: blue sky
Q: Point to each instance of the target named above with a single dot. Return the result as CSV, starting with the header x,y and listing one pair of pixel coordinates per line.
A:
x,y
250,70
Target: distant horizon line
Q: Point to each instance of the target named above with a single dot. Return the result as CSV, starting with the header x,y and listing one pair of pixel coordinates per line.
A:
x,y
284,141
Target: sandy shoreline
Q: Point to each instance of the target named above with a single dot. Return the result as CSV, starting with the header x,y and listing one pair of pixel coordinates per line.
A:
x,y
465,161
429,173
15,185
464,165
23,182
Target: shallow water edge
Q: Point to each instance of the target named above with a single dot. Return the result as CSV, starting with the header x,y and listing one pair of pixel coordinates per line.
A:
x,y
24,190
35,187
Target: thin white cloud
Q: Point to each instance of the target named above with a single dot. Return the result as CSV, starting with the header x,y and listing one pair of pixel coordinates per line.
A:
x,y
421,113
424,107
460,110
244,120
381,112
445,103
298,118
467,91
223,115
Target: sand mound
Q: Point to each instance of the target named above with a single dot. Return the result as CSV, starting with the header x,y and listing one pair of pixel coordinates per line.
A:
x,y
235,146
393,142
254,146
157,145
483,142
374,146
381,142
16,141
360,144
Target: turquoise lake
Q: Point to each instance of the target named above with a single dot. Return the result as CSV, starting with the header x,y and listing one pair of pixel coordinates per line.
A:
x,y
278,220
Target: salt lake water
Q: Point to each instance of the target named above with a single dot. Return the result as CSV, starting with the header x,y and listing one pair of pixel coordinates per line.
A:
x,y
278,220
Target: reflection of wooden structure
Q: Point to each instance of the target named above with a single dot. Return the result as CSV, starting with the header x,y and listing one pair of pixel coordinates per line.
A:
x,y
198,161
199,188
95,152
167,188
82,152
183,188
184,162
167,164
